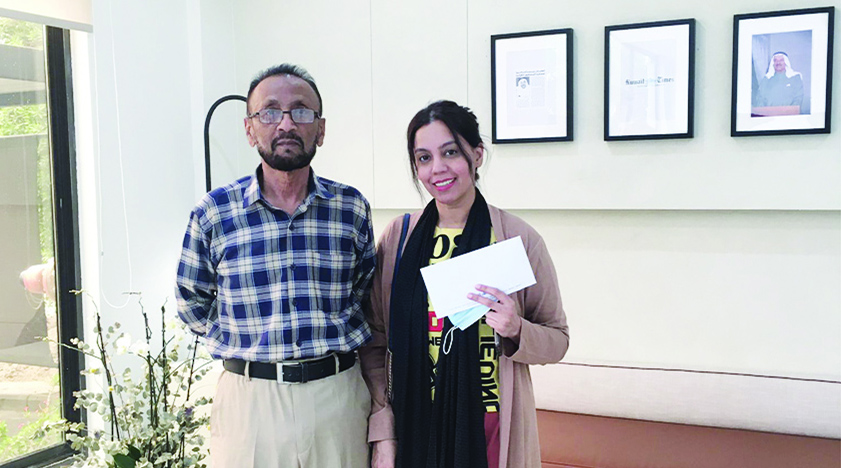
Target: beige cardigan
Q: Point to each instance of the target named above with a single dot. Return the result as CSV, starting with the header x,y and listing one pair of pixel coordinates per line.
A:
x,y
544,339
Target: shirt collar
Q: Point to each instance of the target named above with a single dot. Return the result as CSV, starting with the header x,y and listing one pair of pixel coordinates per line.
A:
x,y
316,188
252,190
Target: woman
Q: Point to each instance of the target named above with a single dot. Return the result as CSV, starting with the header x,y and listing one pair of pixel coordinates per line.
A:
x,y
473,405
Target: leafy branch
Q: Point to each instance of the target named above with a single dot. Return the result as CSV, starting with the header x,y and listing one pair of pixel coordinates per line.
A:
x,y
151,422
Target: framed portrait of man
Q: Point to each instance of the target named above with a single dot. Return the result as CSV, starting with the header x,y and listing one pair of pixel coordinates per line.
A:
x,y
782,72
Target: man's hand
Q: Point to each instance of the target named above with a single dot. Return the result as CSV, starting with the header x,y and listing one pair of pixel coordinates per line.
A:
x,y
384,454
504,316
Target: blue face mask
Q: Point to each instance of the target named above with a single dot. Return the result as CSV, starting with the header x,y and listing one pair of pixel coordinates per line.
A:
x,y
462,320
468,317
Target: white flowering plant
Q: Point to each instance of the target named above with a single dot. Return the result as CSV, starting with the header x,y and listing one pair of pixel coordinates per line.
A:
x,y
154,421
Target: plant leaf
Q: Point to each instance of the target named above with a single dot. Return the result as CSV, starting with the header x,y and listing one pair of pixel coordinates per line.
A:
x,y
134,452
124,461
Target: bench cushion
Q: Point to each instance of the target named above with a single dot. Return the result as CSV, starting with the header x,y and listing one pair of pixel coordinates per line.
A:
x,y
583,441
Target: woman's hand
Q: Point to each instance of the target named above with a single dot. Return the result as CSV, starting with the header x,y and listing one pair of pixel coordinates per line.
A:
x,y
504,316
384,454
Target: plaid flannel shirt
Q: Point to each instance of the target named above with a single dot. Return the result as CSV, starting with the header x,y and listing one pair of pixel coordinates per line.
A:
x,y
260,285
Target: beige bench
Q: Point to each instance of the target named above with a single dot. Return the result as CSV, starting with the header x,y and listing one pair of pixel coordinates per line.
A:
x,y
582,441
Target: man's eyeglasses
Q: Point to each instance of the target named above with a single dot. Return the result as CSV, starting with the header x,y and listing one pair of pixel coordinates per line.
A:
x,y
273,116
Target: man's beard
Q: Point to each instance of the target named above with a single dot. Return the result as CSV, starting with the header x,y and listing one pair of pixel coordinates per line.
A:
x,y
288,161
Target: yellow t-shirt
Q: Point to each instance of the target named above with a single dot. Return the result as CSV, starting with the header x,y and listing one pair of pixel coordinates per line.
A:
x,y
446,240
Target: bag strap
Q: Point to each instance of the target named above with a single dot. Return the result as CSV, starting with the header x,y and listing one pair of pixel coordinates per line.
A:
x,y
403,233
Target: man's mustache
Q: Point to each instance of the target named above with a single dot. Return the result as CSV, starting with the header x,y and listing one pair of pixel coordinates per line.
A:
x,y
287,136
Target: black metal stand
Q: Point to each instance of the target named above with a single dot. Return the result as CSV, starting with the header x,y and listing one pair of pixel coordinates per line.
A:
x,y
207,134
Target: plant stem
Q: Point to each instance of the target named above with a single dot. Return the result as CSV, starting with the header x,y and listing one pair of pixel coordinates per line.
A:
x,y
165,379
189,387
100,342
150,378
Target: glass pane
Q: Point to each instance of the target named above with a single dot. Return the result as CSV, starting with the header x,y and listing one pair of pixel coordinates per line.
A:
x,y
29,382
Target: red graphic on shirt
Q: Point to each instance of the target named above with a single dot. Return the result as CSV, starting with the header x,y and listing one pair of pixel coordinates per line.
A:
x,y
435,324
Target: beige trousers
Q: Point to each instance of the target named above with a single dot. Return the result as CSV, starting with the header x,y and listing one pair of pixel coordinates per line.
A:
x,y
264,424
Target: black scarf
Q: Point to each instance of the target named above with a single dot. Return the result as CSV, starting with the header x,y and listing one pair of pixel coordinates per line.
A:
x,y
449,432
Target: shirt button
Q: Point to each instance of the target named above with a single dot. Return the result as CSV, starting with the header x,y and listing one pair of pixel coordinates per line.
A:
x,y
298,343
294,301
291,227
292,267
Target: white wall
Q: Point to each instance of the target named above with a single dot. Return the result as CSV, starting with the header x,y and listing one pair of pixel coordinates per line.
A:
x,y
275,35
710,171
381,63
647,282
735,292
136,170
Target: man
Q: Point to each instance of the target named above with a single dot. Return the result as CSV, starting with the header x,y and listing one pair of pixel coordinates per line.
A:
x,y
781,86
523,92
273,272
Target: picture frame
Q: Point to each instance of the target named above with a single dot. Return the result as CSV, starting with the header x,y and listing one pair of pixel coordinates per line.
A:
x,y
782,72
531,86
649,80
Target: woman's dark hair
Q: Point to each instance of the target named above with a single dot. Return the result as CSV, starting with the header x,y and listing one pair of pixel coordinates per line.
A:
x,y
458,119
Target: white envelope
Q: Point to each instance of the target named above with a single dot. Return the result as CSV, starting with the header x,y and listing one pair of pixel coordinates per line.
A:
x,y
503,265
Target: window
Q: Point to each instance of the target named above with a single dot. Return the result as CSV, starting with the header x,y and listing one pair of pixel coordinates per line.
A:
x,y
38,241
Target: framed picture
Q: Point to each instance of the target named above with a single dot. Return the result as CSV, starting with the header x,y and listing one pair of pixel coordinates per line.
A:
x,y
649,80
782,72
531,86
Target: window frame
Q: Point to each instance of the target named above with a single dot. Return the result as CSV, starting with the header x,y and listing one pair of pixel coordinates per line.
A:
x,y
66,236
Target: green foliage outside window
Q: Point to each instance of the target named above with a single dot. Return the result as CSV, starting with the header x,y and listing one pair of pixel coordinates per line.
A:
x,y
23,120
21,33
24,442
31,120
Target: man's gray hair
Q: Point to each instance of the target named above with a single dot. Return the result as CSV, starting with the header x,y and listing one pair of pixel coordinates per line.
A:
x,y
286,69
